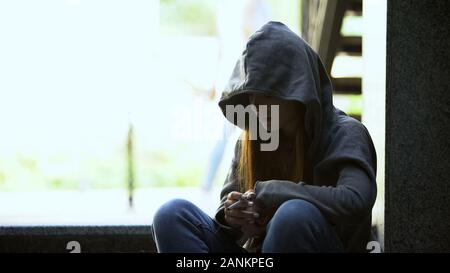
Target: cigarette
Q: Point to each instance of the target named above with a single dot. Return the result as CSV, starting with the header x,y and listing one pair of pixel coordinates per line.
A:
x,y
235,204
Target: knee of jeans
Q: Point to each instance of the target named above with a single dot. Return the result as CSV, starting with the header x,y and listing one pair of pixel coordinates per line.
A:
x,y
169,212
297,212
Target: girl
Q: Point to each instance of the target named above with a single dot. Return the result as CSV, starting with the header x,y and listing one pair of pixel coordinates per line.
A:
x,y
313,193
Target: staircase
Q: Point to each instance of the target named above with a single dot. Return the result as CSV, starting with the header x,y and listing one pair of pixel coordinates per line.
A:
x,y
322,25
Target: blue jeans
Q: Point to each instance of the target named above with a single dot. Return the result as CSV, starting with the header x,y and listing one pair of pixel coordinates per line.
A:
x,y
297,226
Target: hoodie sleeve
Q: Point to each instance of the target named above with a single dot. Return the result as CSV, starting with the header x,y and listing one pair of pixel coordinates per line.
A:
x,y
348,199
349,202
231,184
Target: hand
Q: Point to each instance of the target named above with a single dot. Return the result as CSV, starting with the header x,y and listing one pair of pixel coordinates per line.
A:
x,y
244,214
253,229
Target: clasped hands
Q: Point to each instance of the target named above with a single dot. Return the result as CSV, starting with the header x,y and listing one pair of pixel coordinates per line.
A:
x,y
244,215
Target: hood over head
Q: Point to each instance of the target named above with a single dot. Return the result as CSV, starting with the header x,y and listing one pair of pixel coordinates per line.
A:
x,y
277,62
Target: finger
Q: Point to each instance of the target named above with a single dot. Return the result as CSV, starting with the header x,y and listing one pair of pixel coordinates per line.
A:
x,y
248,212
242,204
234,195
240,213
235,204
235,222
249,195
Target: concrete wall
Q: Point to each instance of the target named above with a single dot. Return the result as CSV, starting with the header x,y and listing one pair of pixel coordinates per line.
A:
x,y
417,181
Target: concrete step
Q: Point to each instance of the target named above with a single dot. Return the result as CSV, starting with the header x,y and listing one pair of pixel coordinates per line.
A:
x,y
64,239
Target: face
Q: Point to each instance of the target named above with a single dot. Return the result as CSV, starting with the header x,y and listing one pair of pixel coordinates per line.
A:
x,y
289,112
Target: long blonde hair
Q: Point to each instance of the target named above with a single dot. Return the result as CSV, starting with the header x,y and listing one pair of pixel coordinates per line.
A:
x,y
255,164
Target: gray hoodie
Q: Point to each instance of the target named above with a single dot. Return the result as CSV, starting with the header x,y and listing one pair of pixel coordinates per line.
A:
x,y
341,160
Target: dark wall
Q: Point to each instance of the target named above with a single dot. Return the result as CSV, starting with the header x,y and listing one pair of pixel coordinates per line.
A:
x,y
92,239
417,189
